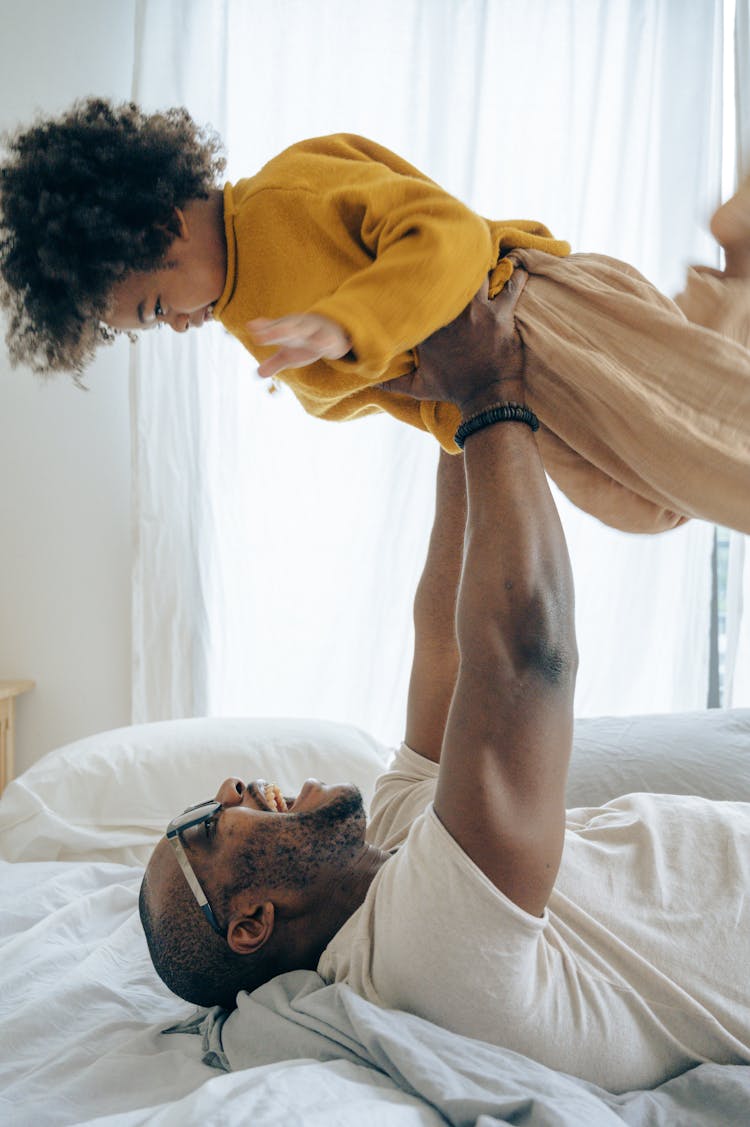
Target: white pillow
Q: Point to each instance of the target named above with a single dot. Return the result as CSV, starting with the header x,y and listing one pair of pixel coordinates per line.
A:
x,y
109,797
705,753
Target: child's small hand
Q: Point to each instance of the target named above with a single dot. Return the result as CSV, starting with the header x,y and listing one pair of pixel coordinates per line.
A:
x,y
304,338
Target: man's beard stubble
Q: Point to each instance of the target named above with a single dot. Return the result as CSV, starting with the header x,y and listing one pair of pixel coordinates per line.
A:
x,y
291,849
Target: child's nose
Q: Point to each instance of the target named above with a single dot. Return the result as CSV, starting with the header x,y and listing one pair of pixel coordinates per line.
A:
x,y
179,322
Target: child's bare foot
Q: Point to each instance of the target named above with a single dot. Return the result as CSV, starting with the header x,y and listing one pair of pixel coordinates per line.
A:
x,y
730,226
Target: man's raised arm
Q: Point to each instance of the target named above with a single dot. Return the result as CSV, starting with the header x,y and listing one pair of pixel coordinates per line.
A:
x,y
507,742
435,665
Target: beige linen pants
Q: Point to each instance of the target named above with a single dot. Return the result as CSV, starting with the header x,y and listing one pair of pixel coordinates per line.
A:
x,y
644,403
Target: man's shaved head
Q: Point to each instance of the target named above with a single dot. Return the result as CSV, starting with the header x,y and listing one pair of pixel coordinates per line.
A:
x,y
191,959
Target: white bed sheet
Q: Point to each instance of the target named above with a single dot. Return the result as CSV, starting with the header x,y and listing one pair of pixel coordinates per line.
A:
x,y
81,1009
81,1015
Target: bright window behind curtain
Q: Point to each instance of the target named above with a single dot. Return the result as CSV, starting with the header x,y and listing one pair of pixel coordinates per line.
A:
x,y
277,555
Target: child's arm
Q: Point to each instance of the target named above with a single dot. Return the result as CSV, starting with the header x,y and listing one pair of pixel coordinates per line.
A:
x,y
379,250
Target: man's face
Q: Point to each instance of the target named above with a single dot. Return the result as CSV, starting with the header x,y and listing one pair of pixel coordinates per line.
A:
x,y
299,854
252,842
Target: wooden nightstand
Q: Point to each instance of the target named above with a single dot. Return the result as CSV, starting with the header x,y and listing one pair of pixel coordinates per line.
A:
x,y
9,690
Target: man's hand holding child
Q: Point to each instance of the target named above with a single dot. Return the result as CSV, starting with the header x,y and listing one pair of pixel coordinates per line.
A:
x,y
480,354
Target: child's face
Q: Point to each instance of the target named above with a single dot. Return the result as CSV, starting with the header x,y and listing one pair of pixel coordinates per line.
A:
x,y
180,294
174,296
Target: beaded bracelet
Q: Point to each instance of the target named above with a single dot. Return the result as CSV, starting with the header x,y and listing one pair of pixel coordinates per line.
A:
x,y
496,413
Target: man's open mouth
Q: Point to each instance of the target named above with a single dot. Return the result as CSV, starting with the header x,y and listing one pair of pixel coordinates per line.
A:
x,y
275,799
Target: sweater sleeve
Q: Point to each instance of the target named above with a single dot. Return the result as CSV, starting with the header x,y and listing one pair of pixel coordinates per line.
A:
x,y
342,227
429,254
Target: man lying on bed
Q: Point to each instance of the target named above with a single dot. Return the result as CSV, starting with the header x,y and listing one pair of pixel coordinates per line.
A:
x,y
614,946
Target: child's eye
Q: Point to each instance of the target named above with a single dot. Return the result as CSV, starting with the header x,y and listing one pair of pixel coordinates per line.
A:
x,y
158,311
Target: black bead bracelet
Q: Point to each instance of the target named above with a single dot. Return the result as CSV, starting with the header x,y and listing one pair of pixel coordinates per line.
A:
x,y
497,413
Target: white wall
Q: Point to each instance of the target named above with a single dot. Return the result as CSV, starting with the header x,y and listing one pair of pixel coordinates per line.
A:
x,y
65,534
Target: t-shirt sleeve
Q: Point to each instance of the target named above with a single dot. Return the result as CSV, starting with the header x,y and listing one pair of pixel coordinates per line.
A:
x,y
401,795
434,912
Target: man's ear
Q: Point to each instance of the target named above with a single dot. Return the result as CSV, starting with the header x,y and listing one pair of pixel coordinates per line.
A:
x,y
250,928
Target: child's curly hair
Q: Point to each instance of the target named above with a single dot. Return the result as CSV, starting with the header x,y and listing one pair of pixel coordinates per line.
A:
x,y
86,199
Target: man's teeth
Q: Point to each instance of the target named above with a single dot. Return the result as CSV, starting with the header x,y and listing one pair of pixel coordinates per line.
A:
x,y
275,798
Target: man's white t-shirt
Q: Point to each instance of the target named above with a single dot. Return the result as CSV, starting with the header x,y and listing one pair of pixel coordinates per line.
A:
x,y
638,969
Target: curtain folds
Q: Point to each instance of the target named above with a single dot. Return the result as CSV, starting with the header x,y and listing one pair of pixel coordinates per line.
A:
x,y
276,555
737,657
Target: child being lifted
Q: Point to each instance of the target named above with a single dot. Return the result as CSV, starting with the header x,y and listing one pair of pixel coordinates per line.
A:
x,y
338,258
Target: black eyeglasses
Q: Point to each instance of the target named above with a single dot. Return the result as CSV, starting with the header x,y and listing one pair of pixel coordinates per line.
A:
x,y
194,816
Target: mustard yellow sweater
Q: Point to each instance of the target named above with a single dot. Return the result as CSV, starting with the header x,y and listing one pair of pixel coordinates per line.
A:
x,y
342,227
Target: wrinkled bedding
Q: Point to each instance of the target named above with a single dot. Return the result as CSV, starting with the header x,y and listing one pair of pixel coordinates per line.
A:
x,y
81,1042
82,1011
81,1020
467,1081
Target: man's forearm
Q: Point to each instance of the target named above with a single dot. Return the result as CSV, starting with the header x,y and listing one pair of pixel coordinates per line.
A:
x,y
519,601
501,789
435,601
435,664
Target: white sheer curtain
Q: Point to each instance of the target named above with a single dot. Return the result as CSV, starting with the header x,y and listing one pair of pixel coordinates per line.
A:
x,y
277,555
737,669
